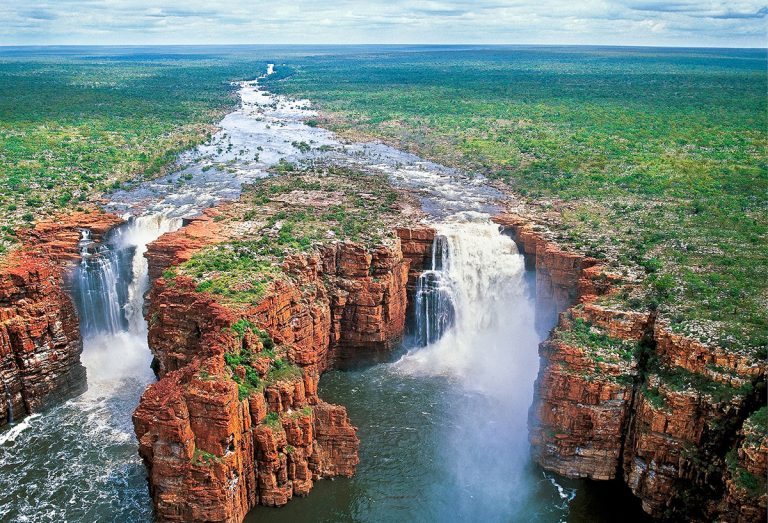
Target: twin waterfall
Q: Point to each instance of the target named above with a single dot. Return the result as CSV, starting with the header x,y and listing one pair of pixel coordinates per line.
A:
x,y
467,384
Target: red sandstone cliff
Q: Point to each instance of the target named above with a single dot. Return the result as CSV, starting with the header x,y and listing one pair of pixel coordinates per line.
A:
x,y
662,415
40,341
212,452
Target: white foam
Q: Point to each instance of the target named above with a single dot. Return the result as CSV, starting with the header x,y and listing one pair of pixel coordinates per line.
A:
x,y
11,434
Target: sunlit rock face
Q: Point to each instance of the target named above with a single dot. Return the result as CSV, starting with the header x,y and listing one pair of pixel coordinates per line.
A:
x,y
598,416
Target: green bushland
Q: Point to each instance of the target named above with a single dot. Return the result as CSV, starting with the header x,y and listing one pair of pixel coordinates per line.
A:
x,y
292,213
73,126
655,158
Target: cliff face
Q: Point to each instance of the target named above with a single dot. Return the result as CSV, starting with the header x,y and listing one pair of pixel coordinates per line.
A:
x,y
40,341
218,444
620,395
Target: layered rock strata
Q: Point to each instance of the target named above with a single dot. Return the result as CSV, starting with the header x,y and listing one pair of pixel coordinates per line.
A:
x,y
214,444
40,341
620,395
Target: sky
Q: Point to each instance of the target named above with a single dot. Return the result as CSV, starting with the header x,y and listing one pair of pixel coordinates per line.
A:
x,y
624,22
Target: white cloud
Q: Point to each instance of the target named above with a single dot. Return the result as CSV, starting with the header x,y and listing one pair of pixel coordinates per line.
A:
x,y
626,22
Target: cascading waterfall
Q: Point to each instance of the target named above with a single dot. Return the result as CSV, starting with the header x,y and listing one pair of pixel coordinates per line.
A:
x,y
98,288
478,325
432,301
109,288
139,233
112,279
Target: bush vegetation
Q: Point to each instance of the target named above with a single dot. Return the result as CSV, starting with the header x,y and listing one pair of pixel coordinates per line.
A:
x,y
73,126
655,158
297,210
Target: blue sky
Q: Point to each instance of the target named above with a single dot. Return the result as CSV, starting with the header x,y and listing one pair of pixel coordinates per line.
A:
x,y
625,22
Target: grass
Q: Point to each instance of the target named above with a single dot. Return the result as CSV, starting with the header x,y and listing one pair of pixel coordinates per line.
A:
x,y
272,420
282,370
584,334
681,380
756,428
236,271
754,486
241,326
655,158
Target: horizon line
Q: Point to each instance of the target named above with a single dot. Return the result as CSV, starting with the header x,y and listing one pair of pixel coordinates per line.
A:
x,y
650,46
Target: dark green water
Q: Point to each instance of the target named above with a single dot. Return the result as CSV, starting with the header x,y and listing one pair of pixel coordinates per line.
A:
x,y
407,428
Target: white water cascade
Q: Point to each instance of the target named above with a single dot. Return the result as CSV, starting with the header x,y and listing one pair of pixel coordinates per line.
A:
x,y
78,461
476,315
111,284
140,232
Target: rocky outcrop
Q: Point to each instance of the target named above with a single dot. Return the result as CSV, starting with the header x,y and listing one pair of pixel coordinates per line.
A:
x,y
173,249
559,274
620,395
579,416
416,244
215,443
40,341
746,472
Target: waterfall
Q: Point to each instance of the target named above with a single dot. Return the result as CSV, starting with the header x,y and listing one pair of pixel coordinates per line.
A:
x,y
112,279
98,289
475,317
433,305
140,232
474,292
109,287
9,401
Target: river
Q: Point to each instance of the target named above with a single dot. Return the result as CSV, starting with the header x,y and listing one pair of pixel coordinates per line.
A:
x,y
442,426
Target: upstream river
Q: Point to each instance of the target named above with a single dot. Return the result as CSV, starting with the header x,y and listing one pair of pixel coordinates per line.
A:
x,y
442,425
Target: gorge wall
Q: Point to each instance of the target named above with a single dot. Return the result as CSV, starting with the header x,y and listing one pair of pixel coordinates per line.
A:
x,y
235,420
40,342
620,395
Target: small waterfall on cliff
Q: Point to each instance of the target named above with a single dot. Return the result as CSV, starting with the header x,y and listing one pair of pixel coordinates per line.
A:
x,y
476,319
8,401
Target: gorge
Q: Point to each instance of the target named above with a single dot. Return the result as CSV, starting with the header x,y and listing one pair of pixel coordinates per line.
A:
x,y
436,291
